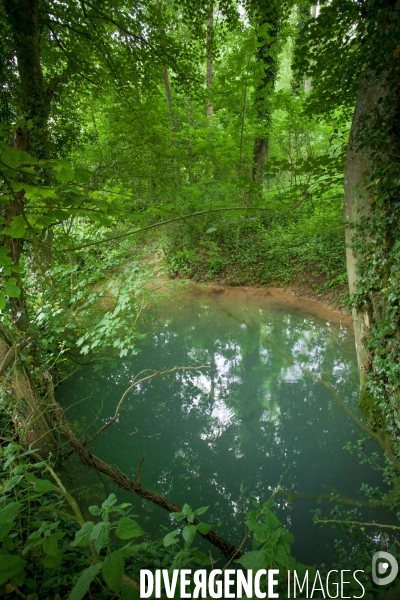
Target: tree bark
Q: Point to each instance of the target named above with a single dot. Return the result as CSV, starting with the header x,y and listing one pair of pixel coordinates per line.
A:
x,y
266,14
357,202
209,59
23,18
29,407
32,421
308,81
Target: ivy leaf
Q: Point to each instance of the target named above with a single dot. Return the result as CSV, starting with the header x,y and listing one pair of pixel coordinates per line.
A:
x,y
128,528
113,570
82,585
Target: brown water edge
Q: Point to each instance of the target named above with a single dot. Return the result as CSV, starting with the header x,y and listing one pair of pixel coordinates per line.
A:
x,y
184,290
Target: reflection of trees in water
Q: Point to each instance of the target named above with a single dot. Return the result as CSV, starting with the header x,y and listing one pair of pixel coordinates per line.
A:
x,y
227,435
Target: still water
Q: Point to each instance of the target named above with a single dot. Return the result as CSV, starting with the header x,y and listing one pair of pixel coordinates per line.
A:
x,y
225,435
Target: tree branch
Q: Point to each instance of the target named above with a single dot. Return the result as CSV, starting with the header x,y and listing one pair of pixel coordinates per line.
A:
x,y
124,483
134,383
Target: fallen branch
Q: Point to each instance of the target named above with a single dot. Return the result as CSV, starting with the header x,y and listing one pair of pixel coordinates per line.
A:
x,y
134,383
90,460
359,523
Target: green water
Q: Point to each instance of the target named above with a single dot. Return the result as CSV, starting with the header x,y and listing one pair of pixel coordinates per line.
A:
x,y
224,436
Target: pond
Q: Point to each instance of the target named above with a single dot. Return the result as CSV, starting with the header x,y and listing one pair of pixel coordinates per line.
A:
x,y
225,435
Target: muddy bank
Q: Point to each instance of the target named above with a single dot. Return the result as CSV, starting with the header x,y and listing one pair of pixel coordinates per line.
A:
x,y
261,296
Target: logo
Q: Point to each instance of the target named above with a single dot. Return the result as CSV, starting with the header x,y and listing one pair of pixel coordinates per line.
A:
x,y
380,566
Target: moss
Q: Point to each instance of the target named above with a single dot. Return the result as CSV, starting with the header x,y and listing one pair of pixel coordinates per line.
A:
x,y
369,408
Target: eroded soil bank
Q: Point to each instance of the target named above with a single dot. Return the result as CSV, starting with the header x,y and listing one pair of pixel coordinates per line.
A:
x,y
272,296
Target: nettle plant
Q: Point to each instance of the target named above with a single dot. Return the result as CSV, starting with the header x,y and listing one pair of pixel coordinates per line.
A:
x,y
43,552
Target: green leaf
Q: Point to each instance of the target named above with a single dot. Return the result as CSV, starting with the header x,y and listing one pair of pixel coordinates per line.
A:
x,y
200,511
5,258
11,483
170,538
8,512
16,229
82,176
82,537
50,546
52,562
82,585
271,520
99,534
64,175
252,560
128,528
179,516
110,501
43,485
95,510
211,229
189,533
201,558
280,556
13,158
203,528
10,566
113,570
10,289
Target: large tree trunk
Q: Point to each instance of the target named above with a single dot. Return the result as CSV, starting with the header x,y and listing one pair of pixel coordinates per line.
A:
x,y
368,216
23,18
30,416
357,202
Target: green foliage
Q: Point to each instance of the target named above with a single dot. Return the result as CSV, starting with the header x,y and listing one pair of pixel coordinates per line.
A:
x,y
42,551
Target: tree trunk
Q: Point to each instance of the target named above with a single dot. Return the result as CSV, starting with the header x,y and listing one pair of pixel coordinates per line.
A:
x,y
268,14
29,408
168,96
209,59
308,81
23,18
357,202
30,415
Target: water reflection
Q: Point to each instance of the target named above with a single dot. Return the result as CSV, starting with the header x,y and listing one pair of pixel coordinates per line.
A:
x,y
227,434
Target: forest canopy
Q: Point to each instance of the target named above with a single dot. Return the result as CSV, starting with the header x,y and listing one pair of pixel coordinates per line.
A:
x,y
251,142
